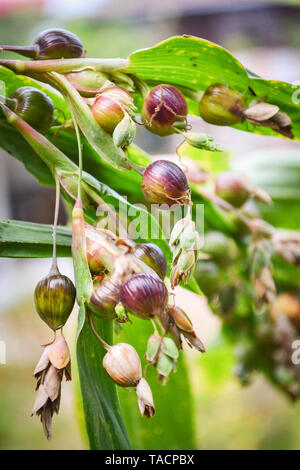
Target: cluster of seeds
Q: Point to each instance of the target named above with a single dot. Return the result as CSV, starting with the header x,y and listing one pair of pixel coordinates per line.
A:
x,y
122,278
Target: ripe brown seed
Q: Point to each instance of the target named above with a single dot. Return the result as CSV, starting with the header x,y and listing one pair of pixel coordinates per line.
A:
x,y
144,295
164,182
54,298
164,106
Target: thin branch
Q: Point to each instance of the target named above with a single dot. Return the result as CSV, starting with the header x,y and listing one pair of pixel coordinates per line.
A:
x,y
54,267
104,344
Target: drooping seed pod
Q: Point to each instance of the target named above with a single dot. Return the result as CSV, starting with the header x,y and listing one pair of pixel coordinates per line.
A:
x,y
163,108
105,297
176,320
34,106
87,82
153,256
145,398
53,365
233,188
222,106
153,347
110,107
51,44
124,132
123,365
54,298
185,242
144,295
164,182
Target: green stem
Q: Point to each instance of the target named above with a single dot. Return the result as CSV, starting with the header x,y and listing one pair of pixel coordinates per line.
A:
x,y
54,267
27,51
64,65
79,156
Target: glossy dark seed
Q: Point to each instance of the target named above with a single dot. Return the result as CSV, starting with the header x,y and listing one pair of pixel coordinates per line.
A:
x,y
153,256
164,106
34,106
57,44
105,297
54,298
144,295
165,183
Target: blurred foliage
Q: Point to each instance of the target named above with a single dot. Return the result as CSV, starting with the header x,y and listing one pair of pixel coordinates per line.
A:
x,y
278,173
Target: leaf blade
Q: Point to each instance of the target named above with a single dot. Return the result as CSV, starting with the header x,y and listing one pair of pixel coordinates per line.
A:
x,y
104,423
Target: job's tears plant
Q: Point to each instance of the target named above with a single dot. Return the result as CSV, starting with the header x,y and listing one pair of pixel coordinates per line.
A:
x,y
92,121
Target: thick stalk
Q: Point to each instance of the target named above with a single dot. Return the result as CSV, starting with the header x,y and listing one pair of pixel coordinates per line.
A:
x,y
64,65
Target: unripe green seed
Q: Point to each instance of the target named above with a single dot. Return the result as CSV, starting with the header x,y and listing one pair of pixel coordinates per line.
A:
x,y
222,106
34,106
87,82
233,188
54,298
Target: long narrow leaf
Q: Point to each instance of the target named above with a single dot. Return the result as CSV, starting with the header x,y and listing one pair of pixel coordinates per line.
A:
x,y
105,426
20,239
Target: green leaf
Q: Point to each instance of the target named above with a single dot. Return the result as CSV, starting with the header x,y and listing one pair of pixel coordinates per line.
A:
x,y
195,64
172,427
190,62
15,145
28,240
104,423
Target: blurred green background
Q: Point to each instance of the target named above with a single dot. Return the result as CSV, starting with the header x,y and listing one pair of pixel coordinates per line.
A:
x,y
265,37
